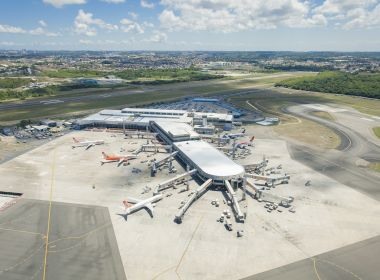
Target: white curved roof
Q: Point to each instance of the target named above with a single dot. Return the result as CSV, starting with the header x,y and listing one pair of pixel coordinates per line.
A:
x,y
209,161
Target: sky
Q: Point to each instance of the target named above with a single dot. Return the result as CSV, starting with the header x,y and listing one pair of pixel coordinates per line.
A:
x,y
230,25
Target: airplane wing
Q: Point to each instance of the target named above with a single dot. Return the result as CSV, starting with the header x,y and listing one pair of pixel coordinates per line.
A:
x,y
89,146
133,200
149,206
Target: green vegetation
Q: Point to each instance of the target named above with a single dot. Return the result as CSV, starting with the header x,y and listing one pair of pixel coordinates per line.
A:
x,y
375,166
361,84
15,94
13,82
71,73
139,76
376,130
177,75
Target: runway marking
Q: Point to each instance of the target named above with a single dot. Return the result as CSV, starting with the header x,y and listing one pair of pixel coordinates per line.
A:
x,y
83,236
49,214
22,231
187,247
315,268
341,267
22,261
163,272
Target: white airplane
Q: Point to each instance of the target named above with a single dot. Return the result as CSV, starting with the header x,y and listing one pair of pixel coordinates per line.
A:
x,y
139,204
117,158
88,144
235,135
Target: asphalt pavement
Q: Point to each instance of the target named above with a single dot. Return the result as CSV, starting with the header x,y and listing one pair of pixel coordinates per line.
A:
x,y
359,261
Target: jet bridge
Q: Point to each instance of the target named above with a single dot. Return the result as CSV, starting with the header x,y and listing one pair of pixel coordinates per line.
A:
x,y
270,181
158,164
256,166
167,184
197,194
235,203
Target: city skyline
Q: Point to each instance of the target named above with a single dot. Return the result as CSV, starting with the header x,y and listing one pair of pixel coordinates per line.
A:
x,y
286,25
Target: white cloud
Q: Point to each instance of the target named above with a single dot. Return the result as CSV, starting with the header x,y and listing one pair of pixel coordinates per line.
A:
x,y
11,29
342,6
361,18
60,3
85,42
113,1
7,43
146,4
85,24
350,14
128,25
42,23
229,16
42,31
133,15
158,37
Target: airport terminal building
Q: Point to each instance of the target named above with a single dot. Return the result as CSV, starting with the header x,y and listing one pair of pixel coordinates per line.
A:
x,y
179,129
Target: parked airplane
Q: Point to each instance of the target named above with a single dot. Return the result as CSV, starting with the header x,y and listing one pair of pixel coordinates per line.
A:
x,y
88,144
235,135
243,145
117,158
139,204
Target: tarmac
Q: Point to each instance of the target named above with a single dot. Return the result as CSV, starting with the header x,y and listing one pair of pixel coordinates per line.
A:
x,y
81,242
356,262
329,215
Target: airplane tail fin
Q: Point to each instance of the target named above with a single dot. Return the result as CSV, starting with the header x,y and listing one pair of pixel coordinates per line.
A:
x,y
126,204
252,138
104,155
243,131
75,140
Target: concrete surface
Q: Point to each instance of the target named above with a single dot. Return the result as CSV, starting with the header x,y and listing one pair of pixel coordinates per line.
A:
x,y
357,261
81,243
328,214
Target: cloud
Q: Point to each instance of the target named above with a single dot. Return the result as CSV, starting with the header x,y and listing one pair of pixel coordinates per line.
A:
x,y
113,1
61,3
158,37
146,4
361,18
237,15
133,15
350,14
86,24
42,31
11,29
128,25
42,23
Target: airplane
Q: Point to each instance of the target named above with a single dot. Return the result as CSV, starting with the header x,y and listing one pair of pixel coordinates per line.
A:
x,y
117,158
242,145
139,204
234,135
88,144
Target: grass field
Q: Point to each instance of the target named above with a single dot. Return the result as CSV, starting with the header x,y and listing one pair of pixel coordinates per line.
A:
x,y
323,115
375,166
271,103
376,130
